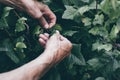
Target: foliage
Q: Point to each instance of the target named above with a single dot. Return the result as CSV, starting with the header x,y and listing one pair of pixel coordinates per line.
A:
x,y
92,26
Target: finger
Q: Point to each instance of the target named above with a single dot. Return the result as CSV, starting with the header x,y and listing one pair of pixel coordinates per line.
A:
x,y
46,34
61,38
64,40
51,18
43,22
49,15
43,37
57,32
55,36
42,42
33,10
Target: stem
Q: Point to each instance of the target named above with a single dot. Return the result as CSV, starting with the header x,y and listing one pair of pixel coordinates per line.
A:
x,y
96,5
27,26
9,34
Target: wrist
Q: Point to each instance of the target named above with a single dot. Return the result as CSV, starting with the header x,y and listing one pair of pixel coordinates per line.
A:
x,y
50,55
38,67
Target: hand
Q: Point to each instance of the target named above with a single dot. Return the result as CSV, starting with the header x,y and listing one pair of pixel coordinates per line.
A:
x,y
57,45
36,9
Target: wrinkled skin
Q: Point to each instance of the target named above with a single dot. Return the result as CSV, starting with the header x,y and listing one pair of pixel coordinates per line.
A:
x,y
36,9
56,49
58,44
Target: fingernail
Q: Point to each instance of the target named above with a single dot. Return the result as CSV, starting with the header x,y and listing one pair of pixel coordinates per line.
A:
x,y
57,32
46,26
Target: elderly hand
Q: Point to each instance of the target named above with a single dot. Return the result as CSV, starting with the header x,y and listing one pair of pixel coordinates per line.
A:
x,y
36,9
56,48
57,45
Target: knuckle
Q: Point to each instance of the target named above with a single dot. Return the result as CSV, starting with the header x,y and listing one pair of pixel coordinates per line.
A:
x,y
70,45
34,13
45,7
54,17
37,16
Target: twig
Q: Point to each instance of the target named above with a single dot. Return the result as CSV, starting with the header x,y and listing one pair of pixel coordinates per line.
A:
x,y
27,26
9,34
96,5
16,14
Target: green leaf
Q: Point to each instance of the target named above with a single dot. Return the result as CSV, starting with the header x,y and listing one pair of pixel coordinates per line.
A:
x,y
105,6
69,13
114,32
22,56
6,11
114,2
86,21
100,78
87,1
20,53
93,5
3,23
77,56
99,19
57,27
10,52
116,65
20,39
75,2
73,14
76,60
93,28
118,22
54,75
109,8
101,31
20,26
37,30
95,63
69,33
20,45
99,46
83,9
3,20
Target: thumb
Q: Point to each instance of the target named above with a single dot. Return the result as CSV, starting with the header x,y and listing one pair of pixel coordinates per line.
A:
x,y
56,35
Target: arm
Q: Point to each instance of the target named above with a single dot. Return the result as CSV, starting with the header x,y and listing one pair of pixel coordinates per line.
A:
x,y
30,71
56,49
35,9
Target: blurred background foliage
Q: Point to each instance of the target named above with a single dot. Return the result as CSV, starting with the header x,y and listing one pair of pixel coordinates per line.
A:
x,y
93,26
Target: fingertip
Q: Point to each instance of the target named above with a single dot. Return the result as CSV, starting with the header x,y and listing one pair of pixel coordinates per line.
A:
x,y
46,26
57,32
46,34
51,24
42,42
40,35
43,22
